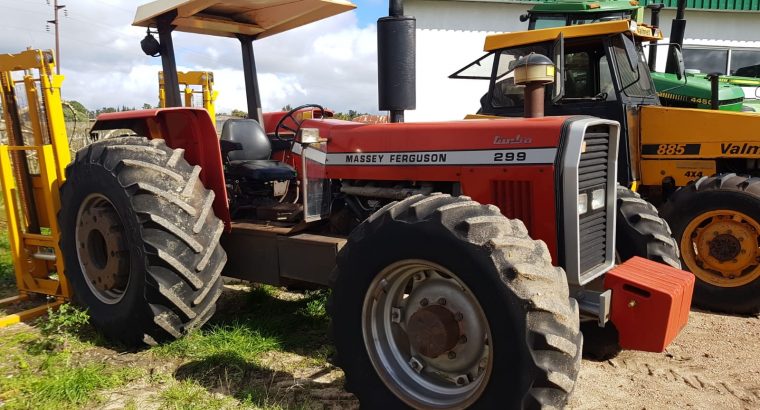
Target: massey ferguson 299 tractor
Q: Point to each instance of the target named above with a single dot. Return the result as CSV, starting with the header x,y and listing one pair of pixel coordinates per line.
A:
x,y
440,241
700,165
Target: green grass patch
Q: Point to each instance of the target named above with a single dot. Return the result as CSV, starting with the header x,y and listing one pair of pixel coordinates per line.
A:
x,y
55,382
189,395
7,274
233,339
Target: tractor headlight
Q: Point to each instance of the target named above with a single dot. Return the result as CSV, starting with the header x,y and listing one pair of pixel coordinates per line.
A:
x,y
582,204
597,199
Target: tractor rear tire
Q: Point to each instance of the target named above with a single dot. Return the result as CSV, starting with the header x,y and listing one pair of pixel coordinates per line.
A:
x,y
421,261
642,232
716,220
140,240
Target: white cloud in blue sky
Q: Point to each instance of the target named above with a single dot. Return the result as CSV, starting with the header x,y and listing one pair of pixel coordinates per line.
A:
x,y
331,62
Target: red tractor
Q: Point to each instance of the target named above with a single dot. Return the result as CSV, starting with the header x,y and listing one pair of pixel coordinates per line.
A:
x,y
440,241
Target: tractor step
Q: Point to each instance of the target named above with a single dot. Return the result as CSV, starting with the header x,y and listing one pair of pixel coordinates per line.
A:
x,y
650,303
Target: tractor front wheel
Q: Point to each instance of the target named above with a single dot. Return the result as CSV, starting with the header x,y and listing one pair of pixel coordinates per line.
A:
x,y
642,232
717,223
140,241
440,302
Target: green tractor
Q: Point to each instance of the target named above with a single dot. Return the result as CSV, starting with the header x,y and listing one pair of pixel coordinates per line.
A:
x,y
693,91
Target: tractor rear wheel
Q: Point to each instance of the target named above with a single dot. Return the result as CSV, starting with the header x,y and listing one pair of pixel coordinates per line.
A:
x,y
440,302
717,223
140,240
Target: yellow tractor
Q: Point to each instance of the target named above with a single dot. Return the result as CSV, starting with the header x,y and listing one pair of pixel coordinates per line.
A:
x,y
701,166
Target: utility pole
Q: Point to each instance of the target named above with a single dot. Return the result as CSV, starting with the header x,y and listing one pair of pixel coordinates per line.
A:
x,y
56,8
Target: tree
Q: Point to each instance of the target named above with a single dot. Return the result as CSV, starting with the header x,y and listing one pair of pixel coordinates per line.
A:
x,y
287,108
147,106
239,113
75,111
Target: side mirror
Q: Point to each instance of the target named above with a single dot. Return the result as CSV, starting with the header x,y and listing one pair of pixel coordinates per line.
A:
x,y
677,57
524,17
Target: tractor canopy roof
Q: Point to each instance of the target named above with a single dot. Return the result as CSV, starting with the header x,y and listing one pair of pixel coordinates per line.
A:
x,y
524,38
581,6
229,18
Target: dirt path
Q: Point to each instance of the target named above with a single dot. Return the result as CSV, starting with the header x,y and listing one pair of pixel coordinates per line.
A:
x,y
713,364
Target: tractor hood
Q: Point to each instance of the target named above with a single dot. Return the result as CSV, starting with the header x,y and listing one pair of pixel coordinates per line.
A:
x,y
696,92
229,18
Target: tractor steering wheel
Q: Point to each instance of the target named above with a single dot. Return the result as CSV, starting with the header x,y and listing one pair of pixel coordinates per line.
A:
x,y
291,114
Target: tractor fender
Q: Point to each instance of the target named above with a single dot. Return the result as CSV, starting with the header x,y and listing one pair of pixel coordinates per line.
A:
x,y
190,129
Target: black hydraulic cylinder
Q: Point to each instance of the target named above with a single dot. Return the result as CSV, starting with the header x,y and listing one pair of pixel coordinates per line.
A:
x,y
655,9
252,95
714,90
168,61
396,64
677,31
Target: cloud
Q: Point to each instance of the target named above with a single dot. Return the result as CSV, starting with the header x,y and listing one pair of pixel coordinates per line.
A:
x,y
331,62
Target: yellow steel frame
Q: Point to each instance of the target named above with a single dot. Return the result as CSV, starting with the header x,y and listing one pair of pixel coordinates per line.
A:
x,y
204,79
37,271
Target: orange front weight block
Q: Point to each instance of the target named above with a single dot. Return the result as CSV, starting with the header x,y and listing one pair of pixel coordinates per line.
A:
x,y
650,303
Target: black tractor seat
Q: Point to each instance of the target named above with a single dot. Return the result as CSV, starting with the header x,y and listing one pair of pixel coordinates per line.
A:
x,y
247,151
265,170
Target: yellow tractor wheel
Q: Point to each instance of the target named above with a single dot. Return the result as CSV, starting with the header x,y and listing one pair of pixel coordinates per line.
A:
x,y
717,224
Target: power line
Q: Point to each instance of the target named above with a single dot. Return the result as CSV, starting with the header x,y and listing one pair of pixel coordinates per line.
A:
x,y
56,8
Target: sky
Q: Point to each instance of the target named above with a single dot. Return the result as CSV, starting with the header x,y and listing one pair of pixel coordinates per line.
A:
x,y
331,62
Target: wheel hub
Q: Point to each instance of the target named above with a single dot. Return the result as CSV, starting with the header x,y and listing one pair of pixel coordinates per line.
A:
x,y
433,330
721,248
427,335
101,248
725,247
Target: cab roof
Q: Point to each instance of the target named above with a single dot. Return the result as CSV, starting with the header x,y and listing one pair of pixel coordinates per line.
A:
x,y
581,6
524,38
228,18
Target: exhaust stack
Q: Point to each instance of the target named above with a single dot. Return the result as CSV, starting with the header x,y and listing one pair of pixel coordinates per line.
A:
x,y
396,65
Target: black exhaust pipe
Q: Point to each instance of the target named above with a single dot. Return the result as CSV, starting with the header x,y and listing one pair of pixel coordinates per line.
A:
x,y
655,9
677,30
396,65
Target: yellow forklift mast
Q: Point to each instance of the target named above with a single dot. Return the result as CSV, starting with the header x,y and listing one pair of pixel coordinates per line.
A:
x,y
192,83
34,152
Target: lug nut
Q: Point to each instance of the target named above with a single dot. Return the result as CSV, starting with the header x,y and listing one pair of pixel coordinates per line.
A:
x,y
452,355
441,301
459,316
463,339
462,380
424,302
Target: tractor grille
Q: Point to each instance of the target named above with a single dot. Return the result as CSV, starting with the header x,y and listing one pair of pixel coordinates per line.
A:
x,y
514,198
592,174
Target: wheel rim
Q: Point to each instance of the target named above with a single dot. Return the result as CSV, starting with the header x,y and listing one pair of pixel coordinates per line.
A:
x,y
721,248
101,249
427,336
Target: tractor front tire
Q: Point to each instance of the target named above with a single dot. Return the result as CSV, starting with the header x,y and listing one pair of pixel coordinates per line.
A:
x,y
140,240
642,232
716,220
440,302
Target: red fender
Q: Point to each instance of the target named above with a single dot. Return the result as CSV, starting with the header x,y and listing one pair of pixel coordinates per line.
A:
x,y
188,128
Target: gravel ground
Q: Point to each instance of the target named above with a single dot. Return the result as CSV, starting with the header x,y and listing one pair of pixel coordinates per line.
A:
x,y
713,364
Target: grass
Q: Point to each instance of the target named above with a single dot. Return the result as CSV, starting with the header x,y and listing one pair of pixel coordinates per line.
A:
x,y
43,370
7,275
257,353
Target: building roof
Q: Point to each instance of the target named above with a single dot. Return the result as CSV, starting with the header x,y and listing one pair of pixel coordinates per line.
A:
x,y
726,5
520,38
228,18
